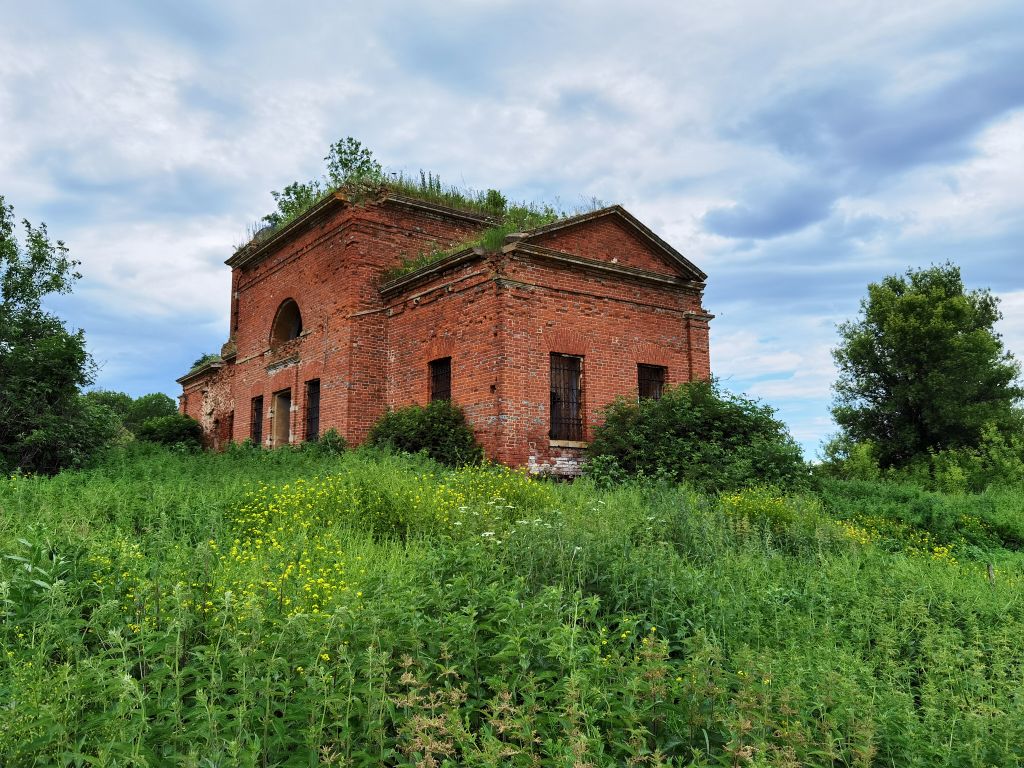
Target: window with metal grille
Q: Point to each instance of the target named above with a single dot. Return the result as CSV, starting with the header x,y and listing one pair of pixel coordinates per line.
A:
x,y
313,410
441,379
651,380
256,422
566,397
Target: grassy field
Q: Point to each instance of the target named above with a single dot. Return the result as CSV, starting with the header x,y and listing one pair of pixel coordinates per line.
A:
x,y
291,608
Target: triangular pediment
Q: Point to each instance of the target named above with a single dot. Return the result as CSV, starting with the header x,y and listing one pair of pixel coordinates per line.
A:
x,y
615,236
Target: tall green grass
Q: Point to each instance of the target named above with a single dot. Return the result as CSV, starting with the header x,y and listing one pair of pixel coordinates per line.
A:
x,y
292,608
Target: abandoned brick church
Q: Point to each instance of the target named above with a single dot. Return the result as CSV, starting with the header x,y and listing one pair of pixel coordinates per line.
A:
x,y
531,339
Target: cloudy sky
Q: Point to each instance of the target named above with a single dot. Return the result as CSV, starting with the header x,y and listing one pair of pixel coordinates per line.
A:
x,y
794,150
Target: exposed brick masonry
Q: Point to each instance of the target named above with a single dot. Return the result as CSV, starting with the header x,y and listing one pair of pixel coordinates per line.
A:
x,y
603,288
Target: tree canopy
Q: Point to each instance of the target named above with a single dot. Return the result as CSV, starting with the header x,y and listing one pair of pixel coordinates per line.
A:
x,y
922,368
44,423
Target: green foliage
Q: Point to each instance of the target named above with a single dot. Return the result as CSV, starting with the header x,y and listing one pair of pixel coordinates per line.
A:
x,y
518,218
997,461
283,607
922,369
146,407
348,162
44,423
172,429
352,168
293,201
698,434
199,362
439,429
330,443
119,403
132,413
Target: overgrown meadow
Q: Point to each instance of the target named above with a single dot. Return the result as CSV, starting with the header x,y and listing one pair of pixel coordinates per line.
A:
x,y
296,608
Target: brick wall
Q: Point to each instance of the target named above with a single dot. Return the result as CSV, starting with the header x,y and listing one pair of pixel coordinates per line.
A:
x,y
332,269
606,239
615,300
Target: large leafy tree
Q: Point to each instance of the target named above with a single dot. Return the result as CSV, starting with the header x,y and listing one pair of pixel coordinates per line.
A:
x,y
44,422
922,368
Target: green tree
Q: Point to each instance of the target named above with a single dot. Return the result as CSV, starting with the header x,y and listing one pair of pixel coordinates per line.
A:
x,y
294,200
922,369
45,424
696,433
349,161
147,407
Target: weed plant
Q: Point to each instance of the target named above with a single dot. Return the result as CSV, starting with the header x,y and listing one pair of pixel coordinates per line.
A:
x,y
280,608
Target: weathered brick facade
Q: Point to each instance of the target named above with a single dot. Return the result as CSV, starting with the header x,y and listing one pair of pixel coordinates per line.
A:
x,y
600,292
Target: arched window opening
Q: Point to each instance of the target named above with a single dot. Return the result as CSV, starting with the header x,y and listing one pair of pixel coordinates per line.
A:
x,y
287,323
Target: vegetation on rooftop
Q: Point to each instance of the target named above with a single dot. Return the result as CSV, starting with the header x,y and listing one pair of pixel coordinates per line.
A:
x,y
352,169
203,360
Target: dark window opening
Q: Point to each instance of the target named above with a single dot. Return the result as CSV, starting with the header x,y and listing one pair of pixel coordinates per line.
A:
x,y
313,410
256,425
287,323
566,397
441,379
651,380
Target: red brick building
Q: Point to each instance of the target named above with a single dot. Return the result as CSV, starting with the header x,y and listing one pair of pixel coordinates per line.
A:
x,y
532,340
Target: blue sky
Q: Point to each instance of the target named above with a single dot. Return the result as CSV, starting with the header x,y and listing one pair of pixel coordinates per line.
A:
x,y
795,151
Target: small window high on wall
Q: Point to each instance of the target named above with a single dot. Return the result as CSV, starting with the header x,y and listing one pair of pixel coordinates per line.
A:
x,y
566,397
441,379
287,323
651,380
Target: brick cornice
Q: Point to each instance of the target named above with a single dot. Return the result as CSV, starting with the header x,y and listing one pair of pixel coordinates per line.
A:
x,y
406,282
645,232
578,262
207,369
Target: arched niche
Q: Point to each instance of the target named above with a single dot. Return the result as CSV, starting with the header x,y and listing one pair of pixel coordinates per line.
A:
x,y
287,323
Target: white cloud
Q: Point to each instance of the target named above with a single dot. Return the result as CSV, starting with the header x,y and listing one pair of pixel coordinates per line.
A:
x,y
148,144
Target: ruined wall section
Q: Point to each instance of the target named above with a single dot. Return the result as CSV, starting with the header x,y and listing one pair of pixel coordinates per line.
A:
x,y
207,398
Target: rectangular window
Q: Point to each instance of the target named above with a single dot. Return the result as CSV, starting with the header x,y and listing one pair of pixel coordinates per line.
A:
x,y
256,423
313,410
566,397
651,380
441,379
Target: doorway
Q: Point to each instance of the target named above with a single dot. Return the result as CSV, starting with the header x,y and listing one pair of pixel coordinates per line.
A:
x,y
281,427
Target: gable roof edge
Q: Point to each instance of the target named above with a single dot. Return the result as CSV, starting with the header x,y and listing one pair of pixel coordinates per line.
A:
x,y
646,232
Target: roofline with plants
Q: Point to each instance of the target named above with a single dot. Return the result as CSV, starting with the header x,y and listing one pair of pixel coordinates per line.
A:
x,y
253,252
402,283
